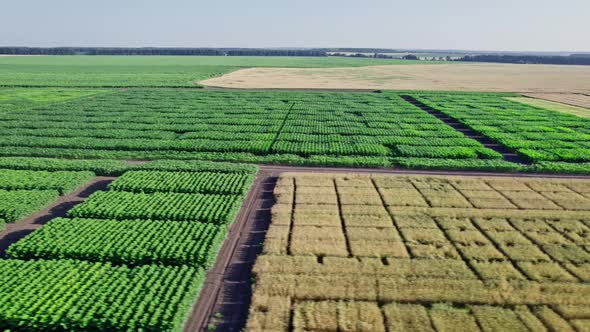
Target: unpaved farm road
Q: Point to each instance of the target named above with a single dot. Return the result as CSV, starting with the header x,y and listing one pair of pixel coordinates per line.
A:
x,y
17,230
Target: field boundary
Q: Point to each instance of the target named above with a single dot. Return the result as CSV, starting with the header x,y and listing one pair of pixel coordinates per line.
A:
x,y
468,132
223,302
58,208
400,171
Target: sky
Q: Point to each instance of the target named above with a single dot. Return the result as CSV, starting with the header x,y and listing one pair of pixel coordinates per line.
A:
x,y
499,25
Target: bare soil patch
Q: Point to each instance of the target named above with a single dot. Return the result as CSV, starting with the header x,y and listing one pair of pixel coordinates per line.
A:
x,y
456,77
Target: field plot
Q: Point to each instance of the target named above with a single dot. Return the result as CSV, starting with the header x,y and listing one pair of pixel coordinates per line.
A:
x,y
435,77
22,191
354,129
416,253
131,260
153,71
554,141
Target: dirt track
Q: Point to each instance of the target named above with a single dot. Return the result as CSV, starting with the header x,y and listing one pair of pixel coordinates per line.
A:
x,y
457,77
17,230
225,296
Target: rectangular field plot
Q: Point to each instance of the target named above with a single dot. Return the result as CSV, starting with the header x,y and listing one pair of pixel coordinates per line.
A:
x,y
554,141
95,296
124,260
183,182
417,253
353,129
23,192
134,242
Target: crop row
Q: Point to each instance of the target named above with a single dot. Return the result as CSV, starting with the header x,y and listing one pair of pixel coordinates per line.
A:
x,y
259,123
535,133
161,244
183,182
16,204
131,242
76,295
159,206
62,181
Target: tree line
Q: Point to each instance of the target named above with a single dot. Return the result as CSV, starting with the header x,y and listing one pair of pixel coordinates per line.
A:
x,y
575,59
157,51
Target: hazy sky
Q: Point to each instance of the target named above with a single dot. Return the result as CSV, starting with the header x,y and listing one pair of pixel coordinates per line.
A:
x,y
520,25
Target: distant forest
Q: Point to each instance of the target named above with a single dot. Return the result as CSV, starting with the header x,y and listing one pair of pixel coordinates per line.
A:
x,y
573,59
157,51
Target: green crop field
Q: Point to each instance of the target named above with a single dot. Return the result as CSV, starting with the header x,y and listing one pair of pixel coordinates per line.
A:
x,y
129,71
24,191
123,260
298,128
15,99
555,141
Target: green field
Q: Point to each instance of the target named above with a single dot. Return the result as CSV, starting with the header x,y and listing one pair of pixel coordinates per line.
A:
x,y
265,127
17,98
297,128
154,71
549,138
136,266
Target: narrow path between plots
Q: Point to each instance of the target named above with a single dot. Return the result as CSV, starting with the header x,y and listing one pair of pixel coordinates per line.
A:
x,y
487,142
225,297
19,229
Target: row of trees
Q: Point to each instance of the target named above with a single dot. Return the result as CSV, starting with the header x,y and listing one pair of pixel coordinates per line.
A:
x,y
156,51
530,59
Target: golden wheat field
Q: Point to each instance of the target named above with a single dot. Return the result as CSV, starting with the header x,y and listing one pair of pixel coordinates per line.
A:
x,y
457,77
349,252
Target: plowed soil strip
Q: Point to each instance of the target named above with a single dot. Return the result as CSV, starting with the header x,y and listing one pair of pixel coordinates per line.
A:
x,y
19,229
225,296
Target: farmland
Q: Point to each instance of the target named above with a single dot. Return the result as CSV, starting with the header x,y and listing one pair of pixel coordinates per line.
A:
x,y
379,252
154,71
481,77
540,135
22,191
553,105
579,100
143,260
129,200
298,128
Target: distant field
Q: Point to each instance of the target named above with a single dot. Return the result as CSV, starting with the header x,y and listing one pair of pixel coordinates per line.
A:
x,y
300,128
17,98
554,106
456,77
581,100
170,71
350,252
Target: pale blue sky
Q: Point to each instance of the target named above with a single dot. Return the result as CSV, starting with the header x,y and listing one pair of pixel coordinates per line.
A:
x,y
519,25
